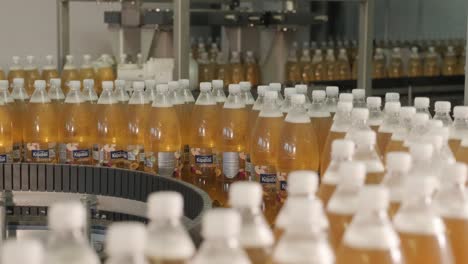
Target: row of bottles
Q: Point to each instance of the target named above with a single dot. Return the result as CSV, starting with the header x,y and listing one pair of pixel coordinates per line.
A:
x,y
102,70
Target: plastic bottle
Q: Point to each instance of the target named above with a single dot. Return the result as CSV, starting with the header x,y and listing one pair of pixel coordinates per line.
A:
x,y
257,106
69,73
120,92
389,125
422,166
419,227
188,96
236,67
302,186
88,91
204,127
459,128
232,138
221,229
150,90
277,87
87,70
359,98
455,216
218,92
6,124
346,97
178,100
449,64
125,243
13,252
105,72
298,148
343,204
343,68
138,107
338,130
55,92
376,115
15,71
342,151
366,152
320,117
206,70
379,64
431,63
111,133
395,70
49,71
330,65
445,152
252,69
67,241
247,95
422,105
398,167
442,112
293,68
359,122
305,64
286,104
420,127
75,134
40,133
305,240
392,97
401,132
19,110
318,66
5,95
302,89
223,71
214,51
264,144
164,136
415,67
370,237
332,99
255,235
462,62
167,240
31,74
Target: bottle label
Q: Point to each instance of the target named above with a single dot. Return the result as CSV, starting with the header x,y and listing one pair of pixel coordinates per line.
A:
x,y
204,159
5,158
37,152
149,161
16,154
282,186
71,152
135,157
233,165
203,162
266,175
112,157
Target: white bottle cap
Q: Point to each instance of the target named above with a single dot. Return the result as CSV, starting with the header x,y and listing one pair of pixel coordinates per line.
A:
x,y
125,238
460,111
304,214
454,173
16,59
165,205
407,111
18,82
442,106
245,194
150,84
374,101
3,84
365,138
271,95
245,86
261,89
173,85
217,84
358,93
30,59
22,251
107,85
421,151
332,90
373,197
206,86
297,99
421,102
420,119
318,95
360,114
289,91
184,83
346,97
344,106
417,186
70,215
301,88
234,88
392,107
56,82
342,148
74,85
221,223
302,182
138,86
392,97
352,173
275,87
119,83
88,82
162,88
399,161
434,123
39,84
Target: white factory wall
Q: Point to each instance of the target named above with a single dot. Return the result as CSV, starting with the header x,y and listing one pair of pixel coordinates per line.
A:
x,y
28,27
